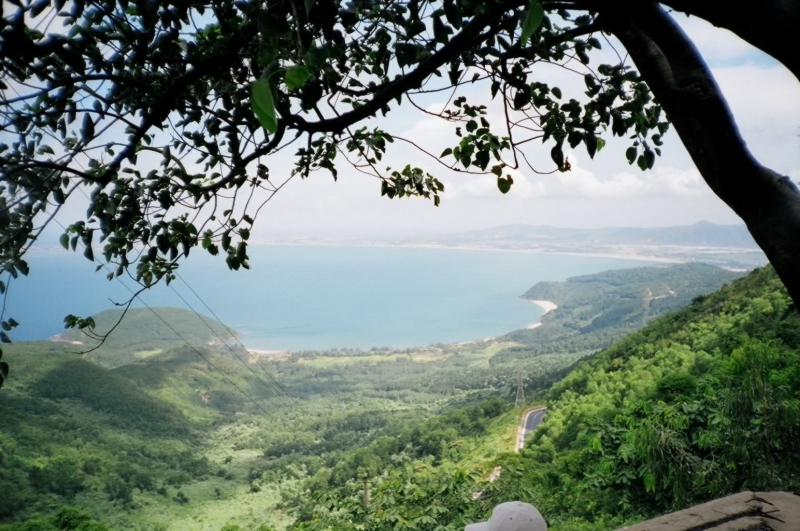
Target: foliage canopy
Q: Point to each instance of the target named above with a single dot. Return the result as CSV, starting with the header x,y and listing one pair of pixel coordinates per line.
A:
x,y
165,114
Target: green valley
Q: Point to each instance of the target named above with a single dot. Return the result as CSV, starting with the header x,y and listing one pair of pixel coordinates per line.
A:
x,y
148,434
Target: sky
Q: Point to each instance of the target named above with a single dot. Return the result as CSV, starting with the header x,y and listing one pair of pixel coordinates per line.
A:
x,y
605,191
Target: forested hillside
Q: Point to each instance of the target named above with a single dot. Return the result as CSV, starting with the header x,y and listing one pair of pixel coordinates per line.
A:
x,y
698,404
596,310
142,332
155,436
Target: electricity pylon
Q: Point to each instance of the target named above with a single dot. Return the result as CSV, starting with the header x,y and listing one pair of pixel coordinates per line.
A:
x,y
520,401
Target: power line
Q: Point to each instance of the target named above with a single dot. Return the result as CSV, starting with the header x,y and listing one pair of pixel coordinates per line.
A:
x,y
233,335
199,353
177,333
278,396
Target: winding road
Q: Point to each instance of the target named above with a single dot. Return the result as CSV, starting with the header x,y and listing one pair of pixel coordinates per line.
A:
x,y
530,421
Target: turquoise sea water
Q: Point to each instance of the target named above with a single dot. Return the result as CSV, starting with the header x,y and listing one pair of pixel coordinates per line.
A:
x,y
297,297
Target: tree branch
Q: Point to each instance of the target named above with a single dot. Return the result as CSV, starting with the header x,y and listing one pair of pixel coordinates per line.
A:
x,y
768,202
769,25
469,35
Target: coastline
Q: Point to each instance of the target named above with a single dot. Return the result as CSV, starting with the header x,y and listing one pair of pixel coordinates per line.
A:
x,y
547,306
623,256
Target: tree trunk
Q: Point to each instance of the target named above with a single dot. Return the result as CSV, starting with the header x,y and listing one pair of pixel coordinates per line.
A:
x,y
769,203
769,25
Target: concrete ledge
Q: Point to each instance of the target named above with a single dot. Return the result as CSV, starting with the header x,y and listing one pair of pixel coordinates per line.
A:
x,y
746,511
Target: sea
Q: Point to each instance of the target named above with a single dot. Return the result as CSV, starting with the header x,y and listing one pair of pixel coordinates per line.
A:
x,y
317,297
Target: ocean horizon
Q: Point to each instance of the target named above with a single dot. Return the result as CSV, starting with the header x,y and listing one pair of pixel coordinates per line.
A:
x,y
319,297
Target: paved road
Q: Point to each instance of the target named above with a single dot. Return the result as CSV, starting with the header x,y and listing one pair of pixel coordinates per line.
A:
x,y
530,421
534,418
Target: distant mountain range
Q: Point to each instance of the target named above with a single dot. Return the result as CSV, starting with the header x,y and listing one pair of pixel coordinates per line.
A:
x,y
701,234
728,246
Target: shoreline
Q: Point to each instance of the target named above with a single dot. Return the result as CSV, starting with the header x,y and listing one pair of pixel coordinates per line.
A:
x,y
702,253
621,256
547,306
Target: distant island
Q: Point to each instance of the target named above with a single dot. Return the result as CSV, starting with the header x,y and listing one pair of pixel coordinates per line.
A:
x,y
728,246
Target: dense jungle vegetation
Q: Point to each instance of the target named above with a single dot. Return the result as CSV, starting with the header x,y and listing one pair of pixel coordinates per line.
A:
x,y
701,403
165,439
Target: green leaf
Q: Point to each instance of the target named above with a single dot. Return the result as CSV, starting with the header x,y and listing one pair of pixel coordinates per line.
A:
x,y
267,57
37,7
58,196
296,77
504,184
440,31
446,152
557,154
600,144
309,5
64,241
630,154
649,482
453,13
264,105
649,158
241,252
162,242
87,129
556,92
532,22
591,144
272,26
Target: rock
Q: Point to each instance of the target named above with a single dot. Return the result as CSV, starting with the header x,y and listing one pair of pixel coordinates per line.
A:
x,y
512,516
746,511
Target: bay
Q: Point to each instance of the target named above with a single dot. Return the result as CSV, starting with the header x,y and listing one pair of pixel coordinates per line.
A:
x,y
319,297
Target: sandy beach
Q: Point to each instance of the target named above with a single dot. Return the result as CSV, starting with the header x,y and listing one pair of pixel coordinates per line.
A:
x,y
547,306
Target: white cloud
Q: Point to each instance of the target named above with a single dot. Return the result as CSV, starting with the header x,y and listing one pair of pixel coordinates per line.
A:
x,y
582,183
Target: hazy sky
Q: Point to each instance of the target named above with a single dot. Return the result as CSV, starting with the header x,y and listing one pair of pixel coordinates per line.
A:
x,y
764,96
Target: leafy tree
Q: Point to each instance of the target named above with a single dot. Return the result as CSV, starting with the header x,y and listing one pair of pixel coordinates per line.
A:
x,y
420,497
60,476
118,489
120,101
699,404
181,498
